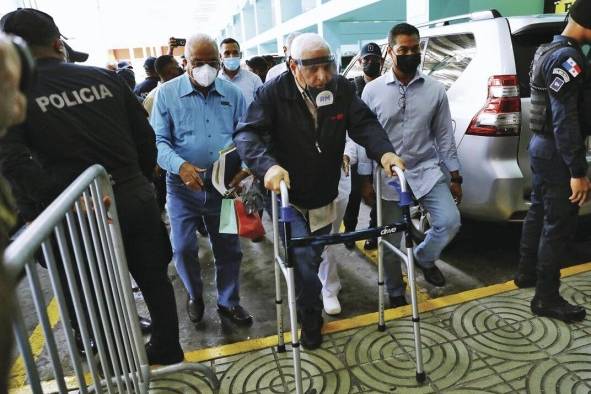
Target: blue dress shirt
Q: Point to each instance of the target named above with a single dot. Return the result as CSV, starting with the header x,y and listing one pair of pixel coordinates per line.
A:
x,y
193,127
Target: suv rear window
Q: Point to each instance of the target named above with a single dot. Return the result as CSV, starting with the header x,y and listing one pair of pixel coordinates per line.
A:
x,y
446,57
525,44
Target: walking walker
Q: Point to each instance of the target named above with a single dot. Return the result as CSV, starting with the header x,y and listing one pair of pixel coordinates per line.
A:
x,y
285,265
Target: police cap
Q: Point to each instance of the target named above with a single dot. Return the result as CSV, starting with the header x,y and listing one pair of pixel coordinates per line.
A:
x,y
580,12
34,26
371,49
37,28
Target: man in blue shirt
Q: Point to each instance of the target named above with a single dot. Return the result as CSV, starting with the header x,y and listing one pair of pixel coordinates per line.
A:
x,y
194,117
414,111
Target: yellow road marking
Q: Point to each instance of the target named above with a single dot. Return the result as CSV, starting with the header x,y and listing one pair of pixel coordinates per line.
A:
x,y
18,375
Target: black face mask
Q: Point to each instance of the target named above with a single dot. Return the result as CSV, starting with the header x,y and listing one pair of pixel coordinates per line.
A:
x,y
313,93
372,69
408,63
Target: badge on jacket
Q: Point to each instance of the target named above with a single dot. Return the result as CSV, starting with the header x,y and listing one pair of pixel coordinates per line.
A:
x,y
324,98
556,84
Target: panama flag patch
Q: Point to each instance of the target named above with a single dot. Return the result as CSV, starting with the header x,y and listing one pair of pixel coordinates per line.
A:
x,y
572,67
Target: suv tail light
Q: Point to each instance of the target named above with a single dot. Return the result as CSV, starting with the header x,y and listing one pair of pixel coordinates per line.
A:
x,y
501,115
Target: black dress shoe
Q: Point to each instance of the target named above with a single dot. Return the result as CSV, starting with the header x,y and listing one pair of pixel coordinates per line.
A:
x,y
396,301
237,314
558,309
311,337
195,309
433,275
524,280
164,355
371,244
145,325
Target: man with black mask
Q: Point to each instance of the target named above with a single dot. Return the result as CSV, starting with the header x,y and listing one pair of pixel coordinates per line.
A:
x,y
372,62
414,110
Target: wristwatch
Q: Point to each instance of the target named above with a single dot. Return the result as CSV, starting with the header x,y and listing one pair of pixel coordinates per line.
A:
x,y
457,179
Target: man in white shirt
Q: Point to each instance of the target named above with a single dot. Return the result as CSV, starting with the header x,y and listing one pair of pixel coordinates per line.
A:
x,y
247,81
280,68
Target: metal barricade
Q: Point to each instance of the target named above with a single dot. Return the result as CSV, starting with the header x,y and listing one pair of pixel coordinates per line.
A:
x,y
284,265
79,238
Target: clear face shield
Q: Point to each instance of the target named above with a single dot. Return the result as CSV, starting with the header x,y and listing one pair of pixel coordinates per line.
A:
x,y
319,75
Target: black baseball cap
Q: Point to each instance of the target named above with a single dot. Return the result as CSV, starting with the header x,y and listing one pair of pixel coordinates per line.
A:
x,y
149,63
580,12
371,49
37,28
124,64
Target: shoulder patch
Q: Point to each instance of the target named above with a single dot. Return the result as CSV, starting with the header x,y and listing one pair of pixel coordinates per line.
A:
x,y
557,84
561,73
572,67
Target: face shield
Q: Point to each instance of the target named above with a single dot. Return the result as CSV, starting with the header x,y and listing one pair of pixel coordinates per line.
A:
x,y
319,76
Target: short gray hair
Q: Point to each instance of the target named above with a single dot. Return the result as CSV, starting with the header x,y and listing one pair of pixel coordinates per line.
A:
x,y
199,38
289,40
307,41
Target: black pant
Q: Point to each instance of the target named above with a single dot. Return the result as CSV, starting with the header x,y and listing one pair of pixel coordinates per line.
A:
x,y
352,211
148,252
160,185
549,225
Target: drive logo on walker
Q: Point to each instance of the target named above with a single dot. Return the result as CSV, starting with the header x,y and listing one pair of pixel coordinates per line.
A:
x,y
390,230
74,97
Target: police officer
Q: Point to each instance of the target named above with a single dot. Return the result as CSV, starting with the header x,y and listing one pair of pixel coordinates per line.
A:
x,y
78,116
559,77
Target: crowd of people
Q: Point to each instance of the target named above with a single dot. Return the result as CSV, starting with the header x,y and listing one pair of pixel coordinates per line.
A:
x,y
299,122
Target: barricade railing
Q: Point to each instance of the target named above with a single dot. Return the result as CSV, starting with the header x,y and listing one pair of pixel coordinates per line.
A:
x,y
284,264
79,240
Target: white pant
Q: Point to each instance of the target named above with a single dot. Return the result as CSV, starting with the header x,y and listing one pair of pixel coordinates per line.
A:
x,y
327,272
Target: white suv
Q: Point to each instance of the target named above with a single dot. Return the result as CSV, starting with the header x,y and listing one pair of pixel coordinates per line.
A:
x,y
483,59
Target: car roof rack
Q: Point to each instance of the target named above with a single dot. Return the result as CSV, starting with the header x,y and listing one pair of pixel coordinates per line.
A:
x,y
474,16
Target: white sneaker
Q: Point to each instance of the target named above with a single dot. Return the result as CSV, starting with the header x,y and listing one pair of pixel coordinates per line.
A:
x,y
332,306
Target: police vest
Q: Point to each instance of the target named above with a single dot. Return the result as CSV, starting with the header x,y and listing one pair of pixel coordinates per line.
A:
x,y
540,115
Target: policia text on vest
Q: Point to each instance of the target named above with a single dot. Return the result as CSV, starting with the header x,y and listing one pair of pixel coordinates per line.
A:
x,y
74,97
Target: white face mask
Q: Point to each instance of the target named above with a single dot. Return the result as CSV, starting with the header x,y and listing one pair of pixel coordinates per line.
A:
x,y
204,75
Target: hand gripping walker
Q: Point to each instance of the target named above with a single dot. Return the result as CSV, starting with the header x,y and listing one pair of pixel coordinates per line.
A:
x,y
285,265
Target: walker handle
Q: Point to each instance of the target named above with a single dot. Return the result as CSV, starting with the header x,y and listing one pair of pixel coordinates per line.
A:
x,y
287,212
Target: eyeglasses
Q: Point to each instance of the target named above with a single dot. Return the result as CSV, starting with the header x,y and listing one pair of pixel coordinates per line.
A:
x,y
199,63
402,100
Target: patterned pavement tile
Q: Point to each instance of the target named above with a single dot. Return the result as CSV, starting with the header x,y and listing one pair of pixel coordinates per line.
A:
x,y
489,345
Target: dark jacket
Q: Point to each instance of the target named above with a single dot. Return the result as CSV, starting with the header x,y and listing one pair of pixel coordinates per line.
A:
x,y
143,88
77,116
564,73
279,129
